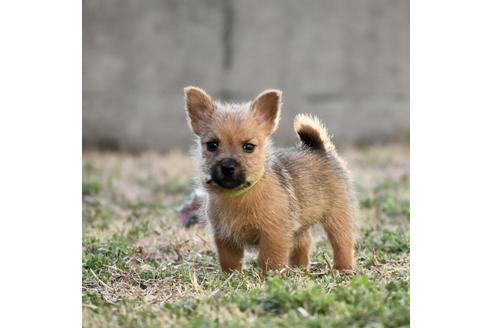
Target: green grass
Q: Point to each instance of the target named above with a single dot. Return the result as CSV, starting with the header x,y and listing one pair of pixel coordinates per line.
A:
x,y
142,270
90,188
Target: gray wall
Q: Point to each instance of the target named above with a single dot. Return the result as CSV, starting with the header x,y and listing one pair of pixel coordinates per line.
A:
x,y
344,60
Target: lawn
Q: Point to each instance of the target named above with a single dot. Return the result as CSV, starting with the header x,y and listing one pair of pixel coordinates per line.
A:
x,y
141,269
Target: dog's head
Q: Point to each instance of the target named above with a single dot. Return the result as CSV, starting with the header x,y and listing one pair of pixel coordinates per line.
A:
x,y
233,138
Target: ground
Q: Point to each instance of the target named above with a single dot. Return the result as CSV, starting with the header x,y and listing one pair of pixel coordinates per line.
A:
x,y
141,269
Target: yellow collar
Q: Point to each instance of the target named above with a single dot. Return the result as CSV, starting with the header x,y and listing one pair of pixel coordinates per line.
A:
x,y
242,191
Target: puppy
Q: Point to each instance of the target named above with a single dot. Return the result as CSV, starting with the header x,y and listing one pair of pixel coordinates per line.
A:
x,y
264,198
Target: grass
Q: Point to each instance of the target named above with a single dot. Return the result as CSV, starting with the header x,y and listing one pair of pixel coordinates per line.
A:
x,y
140,269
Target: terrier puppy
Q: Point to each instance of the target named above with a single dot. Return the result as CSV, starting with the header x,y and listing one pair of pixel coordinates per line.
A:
x,y
264,198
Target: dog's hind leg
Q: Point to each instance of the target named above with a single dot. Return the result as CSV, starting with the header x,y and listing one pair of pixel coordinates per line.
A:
x,y
338,225
299,254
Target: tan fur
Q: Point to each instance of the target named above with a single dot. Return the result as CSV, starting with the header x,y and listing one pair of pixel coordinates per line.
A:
x,y
300,187
310,129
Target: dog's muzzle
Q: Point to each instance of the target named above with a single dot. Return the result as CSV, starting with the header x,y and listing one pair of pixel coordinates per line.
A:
x,y
228,173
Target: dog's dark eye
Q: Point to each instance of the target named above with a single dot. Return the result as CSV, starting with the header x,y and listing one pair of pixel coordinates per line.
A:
x,y
212,146
249,147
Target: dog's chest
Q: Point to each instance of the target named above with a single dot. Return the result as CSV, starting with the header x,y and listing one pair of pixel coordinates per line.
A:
x,y
237,229
241,226
247,236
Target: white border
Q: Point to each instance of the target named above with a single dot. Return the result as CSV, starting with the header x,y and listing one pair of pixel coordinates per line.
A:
x,y
40,175
451,165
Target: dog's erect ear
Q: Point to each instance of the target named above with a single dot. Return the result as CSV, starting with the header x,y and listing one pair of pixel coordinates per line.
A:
x,y
266,109
199,107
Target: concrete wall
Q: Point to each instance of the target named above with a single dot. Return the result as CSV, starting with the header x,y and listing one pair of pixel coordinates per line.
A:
x,y
344,60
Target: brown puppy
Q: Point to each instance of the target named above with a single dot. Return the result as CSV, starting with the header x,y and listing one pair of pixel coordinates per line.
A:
x,y
264,198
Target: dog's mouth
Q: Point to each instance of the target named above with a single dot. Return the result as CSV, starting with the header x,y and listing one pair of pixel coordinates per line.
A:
x,y
228,183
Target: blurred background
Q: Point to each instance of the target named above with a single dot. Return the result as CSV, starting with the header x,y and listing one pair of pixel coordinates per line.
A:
x,y
345,61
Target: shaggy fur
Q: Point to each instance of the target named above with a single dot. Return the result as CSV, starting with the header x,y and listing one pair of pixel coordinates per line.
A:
x,y
295,187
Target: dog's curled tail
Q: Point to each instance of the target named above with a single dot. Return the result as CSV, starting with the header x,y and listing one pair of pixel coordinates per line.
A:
x,y
312,133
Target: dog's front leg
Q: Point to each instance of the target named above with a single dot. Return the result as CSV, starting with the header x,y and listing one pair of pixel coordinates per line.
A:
x,y
274,251
230,255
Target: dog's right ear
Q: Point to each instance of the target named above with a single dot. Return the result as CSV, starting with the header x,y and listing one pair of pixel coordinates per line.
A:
x,y
199,108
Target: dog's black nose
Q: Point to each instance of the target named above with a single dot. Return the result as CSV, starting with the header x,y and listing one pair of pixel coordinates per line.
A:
x,y
227,167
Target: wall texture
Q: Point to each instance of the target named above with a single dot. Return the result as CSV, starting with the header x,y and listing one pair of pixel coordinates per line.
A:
x,y
344,60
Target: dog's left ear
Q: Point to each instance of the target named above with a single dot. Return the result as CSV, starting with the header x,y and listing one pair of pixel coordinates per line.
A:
x,y
266,109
